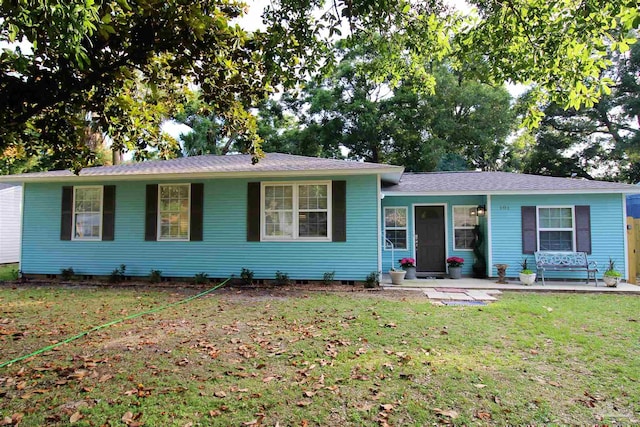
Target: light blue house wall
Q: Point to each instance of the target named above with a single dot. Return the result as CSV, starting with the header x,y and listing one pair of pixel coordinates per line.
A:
x,y
409,202
224,250
607,229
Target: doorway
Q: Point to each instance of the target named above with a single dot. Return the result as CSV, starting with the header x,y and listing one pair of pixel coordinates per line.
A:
x,y
430,239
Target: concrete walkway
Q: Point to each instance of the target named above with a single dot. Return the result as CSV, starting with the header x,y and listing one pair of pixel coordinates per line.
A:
x,y
467,284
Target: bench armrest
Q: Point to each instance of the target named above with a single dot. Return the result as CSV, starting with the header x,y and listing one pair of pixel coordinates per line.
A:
x,y
593,265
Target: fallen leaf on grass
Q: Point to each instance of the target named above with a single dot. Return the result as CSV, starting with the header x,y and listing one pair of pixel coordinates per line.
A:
x,y
77,416
303,403
387,407
220,394
446,413
483,416
12,420
105,377
479,385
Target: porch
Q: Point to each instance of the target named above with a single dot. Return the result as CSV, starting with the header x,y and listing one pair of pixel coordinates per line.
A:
x,y
512,285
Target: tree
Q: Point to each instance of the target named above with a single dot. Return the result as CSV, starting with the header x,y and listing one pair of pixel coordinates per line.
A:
x,y
83,53
601,141
462,120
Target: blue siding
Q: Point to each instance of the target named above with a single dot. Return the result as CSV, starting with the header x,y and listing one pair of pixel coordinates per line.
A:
x,y
224,250
607,229
409,202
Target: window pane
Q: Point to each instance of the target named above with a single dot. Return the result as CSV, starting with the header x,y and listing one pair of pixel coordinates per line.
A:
x,y
555,218
279,224
463,217
395,217
398,238
464,239
556,240
174,212
312,224
312,197
87,225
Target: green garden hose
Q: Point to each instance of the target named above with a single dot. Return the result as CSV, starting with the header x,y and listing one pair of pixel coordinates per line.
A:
x,y
97,328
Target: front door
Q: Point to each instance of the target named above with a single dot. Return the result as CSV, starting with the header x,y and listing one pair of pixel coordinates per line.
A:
x,y
430,239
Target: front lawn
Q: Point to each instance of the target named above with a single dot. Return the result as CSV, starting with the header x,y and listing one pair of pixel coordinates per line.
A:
x,y
295,358
8,272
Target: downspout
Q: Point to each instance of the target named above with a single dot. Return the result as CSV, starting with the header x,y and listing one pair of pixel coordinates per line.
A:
x,y
626,236
489,237
378,223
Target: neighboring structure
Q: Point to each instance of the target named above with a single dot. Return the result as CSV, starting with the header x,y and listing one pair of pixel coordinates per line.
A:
x,y
633,205
10,205
305,217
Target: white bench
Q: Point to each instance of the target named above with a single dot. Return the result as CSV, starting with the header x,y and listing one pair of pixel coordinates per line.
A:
x,y
565,261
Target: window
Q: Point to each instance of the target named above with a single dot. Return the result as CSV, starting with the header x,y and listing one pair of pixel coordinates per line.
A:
x,y
173,211
395,227
297,211
555,229
464,221
87,213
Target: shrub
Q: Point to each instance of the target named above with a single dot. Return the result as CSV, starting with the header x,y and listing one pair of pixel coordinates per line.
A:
x,y
247,276
328,277
155,276
201,278
67,273
117,275
282,278
372,280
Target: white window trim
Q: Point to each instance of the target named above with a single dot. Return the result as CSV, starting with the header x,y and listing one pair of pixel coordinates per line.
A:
x,y
73,212
453,222
295,237
159,214
405,228
572,229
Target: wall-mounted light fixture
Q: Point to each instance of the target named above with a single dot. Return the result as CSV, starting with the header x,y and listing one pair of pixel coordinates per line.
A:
x,y
481,210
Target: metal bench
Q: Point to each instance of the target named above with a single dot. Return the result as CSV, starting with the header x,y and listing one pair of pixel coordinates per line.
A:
x,y
566,261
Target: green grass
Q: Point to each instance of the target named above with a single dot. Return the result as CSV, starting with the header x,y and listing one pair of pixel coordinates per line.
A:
x,y
324,359
8,272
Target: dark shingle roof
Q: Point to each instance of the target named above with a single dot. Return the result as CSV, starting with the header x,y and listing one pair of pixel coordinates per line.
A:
x,y
499,183
271,164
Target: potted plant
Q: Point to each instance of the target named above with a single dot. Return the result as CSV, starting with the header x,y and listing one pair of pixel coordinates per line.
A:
x,y
527,276
455,266
612,276
397,276
408,265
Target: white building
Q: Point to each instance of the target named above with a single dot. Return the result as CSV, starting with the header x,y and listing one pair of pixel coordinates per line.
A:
x,y
10,211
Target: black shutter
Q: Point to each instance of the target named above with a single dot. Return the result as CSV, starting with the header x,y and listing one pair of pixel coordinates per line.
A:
x,y
108,211
339,211
529,230
151,213
66,216
253,212
583,229
197,201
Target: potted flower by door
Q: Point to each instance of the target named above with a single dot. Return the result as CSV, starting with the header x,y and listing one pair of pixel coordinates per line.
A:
x,y
408,265
527,277
397,276
455,266
612,276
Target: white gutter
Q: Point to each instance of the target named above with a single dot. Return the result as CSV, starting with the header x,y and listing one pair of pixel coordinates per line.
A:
x,y
379,225
389,174
489,237
626,237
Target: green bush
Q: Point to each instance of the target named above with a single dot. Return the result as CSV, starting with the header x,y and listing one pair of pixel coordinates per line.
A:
x,y
155,276
282,278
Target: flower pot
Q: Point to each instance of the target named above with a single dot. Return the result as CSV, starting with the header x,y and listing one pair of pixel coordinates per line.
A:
x,y
528,279
611,281
455,272
411,272
397,276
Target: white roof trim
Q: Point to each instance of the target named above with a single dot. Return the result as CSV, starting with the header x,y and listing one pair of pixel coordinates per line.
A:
x,y
511,192
390,174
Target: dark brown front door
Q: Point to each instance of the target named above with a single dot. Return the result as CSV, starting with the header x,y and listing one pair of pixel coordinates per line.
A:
x,y
430,239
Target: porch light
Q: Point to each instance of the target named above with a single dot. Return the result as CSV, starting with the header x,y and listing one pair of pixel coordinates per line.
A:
x,y
481,210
